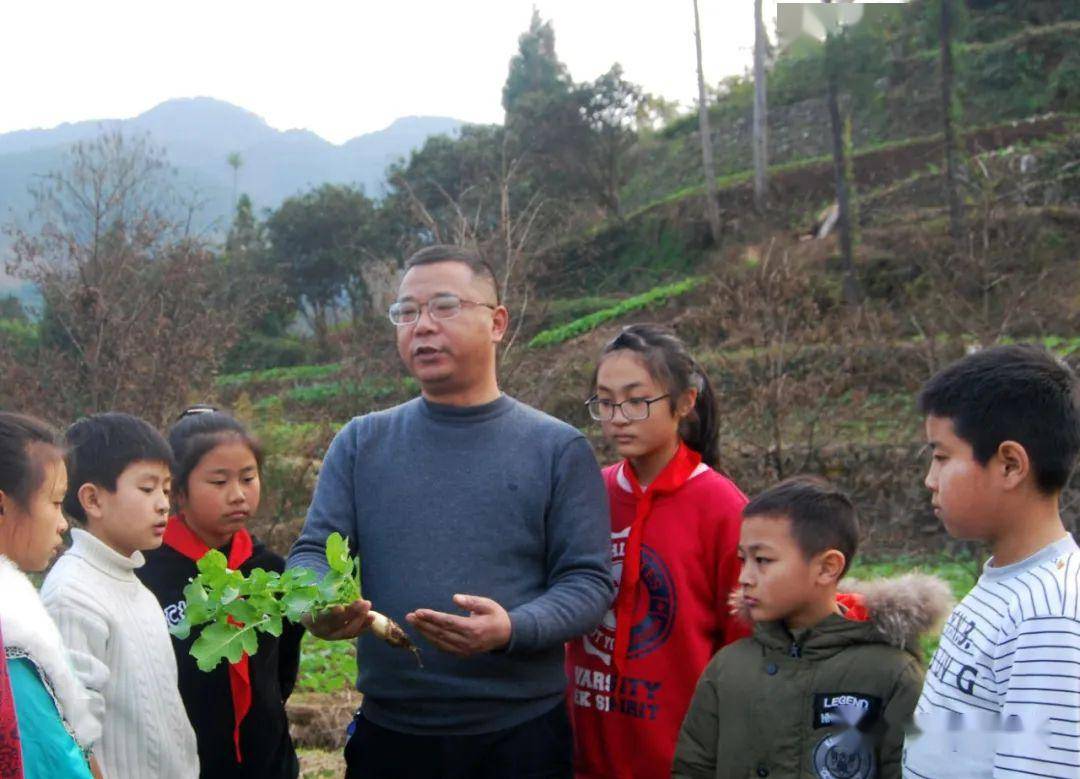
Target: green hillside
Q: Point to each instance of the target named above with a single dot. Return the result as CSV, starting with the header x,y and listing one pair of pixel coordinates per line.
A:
x,y
809,379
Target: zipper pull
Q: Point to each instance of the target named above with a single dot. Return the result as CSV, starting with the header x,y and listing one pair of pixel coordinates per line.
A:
x,y
795,650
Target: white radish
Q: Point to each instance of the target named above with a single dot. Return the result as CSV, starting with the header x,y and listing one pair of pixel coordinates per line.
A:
x,y
393,634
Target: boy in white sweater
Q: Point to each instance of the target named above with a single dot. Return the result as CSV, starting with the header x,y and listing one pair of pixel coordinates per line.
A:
x,y
118,490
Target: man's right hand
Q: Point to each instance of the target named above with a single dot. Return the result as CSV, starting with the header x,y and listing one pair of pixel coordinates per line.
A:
x,y
340,622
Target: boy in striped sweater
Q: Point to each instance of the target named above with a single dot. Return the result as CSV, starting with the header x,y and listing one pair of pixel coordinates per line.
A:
x,y
1002,698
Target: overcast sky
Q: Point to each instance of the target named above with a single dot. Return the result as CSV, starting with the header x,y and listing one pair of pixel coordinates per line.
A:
x,y
338,67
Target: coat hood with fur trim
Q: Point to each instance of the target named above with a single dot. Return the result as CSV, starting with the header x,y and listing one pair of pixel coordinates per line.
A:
x,y
30,633
905,608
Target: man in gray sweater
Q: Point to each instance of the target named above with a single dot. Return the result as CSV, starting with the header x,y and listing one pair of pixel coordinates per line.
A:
x,y
482,522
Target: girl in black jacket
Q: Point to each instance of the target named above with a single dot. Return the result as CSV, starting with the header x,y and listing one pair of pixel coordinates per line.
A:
x,y
238,709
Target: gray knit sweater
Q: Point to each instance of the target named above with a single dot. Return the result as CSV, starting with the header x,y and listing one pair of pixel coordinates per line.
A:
x,y
497,500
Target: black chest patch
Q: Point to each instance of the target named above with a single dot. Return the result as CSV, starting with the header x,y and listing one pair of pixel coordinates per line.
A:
x,y
846,710
845,755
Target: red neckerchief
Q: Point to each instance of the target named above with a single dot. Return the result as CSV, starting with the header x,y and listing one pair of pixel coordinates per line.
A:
x,y
675,474
181,538
853,606
10,751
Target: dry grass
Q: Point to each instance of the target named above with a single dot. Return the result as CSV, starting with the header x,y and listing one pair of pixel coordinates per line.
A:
x,y
318,764
318,720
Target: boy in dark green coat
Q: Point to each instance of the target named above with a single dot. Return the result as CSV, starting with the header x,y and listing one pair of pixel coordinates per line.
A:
x,y
828,681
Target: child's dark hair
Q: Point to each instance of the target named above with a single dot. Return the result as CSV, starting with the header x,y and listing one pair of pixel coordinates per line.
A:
x,y
198,430
101,446
26,445
1015,393
667,360
822,517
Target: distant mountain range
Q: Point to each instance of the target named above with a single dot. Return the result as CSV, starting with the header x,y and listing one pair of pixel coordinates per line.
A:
x,y
199,133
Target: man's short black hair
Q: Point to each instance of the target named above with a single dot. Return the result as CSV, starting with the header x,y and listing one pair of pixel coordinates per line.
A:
x,y
1018,393
101,446
822,517
481,268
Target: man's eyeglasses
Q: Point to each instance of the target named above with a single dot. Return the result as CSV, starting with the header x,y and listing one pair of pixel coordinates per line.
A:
x,y
407,312
633,409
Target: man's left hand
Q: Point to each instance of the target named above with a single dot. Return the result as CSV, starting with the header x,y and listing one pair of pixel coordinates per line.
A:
x,y
486,628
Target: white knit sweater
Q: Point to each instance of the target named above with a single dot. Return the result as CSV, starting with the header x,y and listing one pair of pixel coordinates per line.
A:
x,y
115,630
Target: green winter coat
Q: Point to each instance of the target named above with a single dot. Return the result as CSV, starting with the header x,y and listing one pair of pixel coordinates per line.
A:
x,y
829,702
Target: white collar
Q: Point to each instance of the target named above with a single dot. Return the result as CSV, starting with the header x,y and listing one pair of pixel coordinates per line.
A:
x,y
624,482
29,632
103,557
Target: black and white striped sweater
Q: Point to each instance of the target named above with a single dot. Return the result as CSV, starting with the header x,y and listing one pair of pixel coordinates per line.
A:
x,y
1002,698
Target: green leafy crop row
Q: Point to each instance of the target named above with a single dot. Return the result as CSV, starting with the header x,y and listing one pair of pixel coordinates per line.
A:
x,y
278,375
326,666
372,389
583,325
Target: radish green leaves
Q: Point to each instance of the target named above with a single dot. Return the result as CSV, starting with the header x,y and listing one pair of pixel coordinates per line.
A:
x,y
232,609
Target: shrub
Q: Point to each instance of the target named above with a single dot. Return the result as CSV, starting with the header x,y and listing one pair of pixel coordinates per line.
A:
x,y
260,351
20,336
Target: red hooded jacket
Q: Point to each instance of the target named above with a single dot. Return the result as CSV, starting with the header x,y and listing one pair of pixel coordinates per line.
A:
x,y
627,727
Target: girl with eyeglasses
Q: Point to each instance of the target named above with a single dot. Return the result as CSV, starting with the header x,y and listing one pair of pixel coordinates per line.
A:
x,y
238,709
674,545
